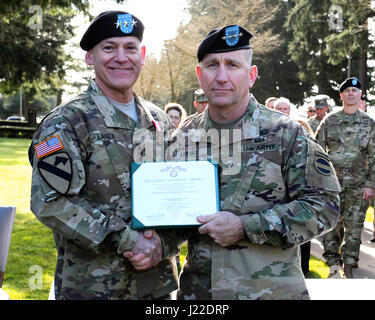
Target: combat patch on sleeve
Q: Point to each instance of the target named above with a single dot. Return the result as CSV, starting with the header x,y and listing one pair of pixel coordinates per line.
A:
x,y
56,170
322,163
319,170
48,146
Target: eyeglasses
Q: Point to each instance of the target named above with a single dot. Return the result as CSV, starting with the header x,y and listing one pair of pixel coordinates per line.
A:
x,y
312,111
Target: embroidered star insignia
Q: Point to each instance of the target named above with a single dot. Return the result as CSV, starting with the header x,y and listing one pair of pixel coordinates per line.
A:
x,y
232,36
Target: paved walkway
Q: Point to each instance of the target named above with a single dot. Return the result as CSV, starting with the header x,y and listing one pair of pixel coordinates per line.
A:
x,y
366,265
360,288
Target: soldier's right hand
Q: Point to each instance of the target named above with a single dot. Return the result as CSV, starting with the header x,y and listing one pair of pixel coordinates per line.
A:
x,y
147,252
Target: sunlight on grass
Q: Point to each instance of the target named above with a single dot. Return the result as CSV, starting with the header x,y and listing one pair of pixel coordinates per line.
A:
x,y
318,269
31,243
370,214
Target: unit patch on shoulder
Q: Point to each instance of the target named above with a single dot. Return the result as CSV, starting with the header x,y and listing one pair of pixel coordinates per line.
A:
x,y
48,146
322,166
56,170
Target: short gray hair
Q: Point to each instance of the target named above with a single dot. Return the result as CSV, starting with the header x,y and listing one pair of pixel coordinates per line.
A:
x,y
249,54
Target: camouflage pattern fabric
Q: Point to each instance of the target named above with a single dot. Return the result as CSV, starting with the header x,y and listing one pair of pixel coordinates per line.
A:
x,y
91,221
348,231
314,123
281,184
350,143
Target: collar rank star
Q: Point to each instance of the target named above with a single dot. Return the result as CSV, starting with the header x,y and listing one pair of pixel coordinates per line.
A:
x,y
54,165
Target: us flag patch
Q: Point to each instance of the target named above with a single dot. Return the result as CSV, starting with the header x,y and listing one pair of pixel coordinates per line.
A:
x,y
48,146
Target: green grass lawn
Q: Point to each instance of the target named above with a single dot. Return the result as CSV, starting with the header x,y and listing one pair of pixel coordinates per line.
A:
x,y
32,249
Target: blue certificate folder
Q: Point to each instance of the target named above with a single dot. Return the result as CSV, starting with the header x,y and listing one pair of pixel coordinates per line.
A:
x,y
172,194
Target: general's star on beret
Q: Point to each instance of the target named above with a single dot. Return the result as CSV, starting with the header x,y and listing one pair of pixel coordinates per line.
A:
x,y
350,82
229,38
110,24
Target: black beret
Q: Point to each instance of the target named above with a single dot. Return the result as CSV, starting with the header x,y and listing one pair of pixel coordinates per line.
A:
x,y
110,24
350,82
229,38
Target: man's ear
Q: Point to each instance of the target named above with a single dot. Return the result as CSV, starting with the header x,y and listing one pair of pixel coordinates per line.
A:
x,y
198,71
88,58
253,75
143,54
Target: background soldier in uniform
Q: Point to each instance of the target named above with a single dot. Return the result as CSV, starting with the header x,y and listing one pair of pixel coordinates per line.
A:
x,y
321,109
348,135
281,192
310,110
81,156
363,103
200,101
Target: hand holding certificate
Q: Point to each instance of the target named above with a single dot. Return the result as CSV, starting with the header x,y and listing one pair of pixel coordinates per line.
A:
x,y
173,194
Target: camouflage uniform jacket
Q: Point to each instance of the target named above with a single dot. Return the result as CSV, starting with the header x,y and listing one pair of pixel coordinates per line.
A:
x,y
350,142
285,191
91,221
314,123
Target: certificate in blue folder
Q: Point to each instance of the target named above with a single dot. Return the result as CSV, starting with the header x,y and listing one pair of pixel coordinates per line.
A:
x,y
173,194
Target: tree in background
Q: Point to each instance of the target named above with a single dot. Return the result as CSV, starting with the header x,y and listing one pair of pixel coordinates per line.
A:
x,y
33,34
277,72
147,85
265,19
179,54
353,39
31,46
330,42
41,103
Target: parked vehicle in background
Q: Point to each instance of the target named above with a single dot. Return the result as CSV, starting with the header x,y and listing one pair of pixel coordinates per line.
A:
x,y
16,118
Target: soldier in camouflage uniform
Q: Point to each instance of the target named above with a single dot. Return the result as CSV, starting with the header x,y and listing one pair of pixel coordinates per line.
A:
x,y
200,101
321,108
81,155
277,187
348,135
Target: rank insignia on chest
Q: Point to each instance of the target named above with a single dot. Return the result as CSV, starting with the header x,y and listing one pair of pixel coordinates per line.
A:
x,y
56,170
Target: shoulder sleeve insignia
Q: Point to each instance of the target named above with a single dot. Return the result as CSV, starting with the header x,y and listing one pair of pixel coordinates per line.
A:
x,y
319,172
48,146
323,166
56,170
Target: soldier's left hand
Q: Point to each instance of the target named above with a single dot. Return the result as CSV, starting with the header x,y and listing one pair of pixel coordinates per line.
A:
x,y
224,227
368,193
